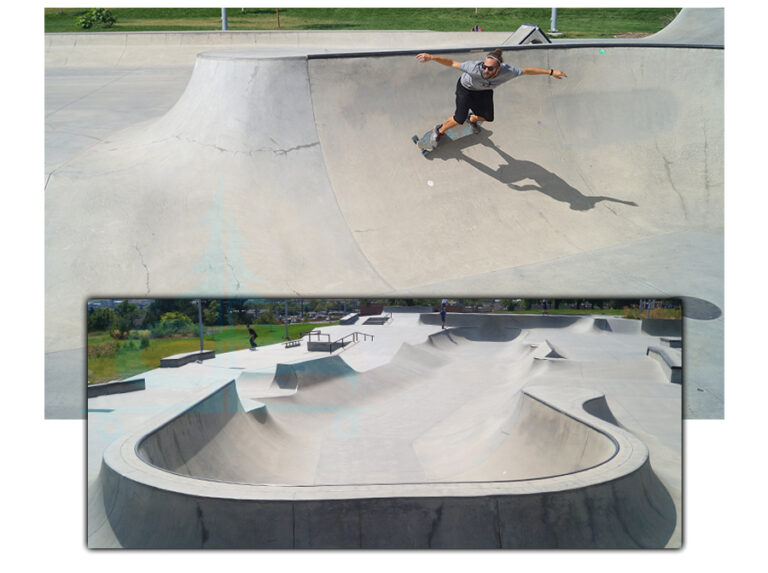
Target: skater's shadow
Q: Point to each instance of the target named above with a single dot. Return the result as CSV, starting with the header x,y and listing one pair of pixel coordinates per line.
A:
x,y
521,175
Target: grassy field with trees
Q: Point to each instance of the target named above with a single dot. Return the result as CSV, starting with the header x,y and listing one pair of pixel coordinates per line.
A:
x,y
125,339
571,22
129,337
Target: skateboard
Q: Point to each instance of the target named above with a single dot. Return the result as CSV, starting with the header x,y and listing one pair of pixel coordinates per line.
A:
x,y
428,144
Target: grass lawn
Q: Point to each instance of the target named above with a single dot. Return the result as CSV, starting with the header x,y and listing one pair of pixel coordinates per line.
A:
x,y
665,313
106,362
611,311
571,22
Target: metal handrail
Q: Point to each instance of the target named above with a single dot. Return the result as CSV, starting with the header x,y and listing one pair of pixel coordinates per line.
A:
x,y
318,334
355,338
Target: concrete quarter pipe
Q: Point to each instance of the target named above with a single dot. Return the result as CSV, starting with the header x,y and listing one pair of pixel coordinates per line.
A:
x,y
277,173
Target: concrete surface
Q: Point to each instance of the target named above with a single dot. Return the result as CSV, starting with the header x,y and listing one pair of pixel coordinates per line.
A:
x,y
278,170
476,436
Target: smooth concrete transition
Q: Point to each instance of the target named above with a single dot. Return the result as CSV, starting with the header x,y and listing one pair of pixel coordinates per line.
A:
x,y
272,170
498,431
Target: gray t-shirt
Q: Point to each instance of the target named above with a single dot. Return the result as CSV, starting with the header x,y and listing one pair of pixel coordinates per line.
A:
x,y
473,79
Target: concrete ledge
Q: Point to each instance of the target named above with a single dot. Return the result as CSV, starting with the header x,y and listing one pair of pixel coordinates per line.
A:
x,y
116,387
351,318
181,359
323,346
662,326
672,341
670,361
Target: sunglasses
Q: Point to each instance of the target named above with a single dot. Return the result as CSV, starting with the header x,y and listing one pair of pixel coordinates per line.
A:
x,y
489,67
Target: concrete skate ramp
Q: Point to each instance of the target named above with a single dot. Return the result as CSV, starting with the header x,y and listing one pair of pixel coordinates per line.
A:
x,y
299,444
607,157
607,497
694,26
462,440
276,173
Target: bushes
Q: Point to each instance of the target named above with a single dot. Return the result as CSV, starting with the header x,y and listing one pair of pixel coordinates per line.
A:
x,y
137,340
666,313
173,324
104,349
101,17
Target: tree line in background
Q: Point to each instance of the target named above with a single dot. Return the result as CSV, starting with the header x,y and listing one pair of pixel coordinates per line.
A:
x,y
180,317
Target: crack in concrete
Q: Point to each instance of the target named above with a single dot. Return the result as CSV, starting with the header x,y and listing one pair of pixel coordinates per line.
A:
x,y
275,150
232,268
146,268
297,148
668,170
204,534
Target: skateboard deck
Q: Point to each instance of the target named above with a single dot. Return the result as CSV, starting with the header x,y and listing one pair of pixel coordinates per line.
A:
x,y
427,144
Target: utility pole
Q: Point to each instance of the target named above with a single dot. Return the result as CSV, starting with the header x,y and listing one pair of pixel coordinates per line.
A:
x,y
200,321
553,21
224,19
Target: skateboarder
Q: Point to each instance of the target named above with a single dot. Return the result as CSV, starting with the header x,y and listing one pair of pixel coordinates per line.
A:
x,y
443,307
253,334
474,90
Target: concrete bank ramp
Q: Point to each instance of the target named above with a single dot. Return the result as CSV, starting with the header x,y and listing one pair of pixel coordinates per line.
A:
x,y
694,26
602,159
437,448
615,164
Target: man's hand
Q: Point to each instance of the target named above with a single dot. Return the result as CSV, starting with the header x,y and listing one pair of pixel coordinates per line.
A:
x,y
541,71
439,59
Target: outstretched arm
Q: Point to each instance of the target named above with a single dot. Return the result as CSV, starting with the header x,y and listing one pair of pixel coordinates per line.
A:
x,y
541,71
439,59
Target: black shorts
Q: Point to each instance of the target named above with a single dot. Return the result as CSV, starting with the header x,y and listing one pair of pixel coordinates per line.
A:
x,y
480,102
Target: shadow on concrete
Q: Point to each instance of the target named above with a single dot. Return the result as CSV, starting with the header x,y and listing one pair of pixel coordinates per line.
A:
x,y
515,172
700,309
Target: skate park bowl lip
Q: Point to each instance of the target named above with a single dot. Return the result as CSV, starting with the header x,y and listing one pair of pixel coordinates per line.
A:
x,y
619,451
239,53
629,455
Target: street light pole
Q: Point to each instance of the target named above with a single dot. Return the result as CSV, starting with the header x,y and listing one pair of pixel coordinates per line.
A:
x,y
553,21
224,19
200,321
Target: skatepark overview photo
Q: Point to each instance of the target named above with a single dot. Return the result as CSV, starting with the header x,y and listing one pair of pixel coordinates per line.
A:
x,y
398,430
281,163
295,165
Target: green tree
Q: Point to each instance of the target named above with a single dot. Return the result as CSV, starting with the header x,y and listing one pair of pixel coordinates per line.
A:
x,y
267,317
100,319
211,313
125,315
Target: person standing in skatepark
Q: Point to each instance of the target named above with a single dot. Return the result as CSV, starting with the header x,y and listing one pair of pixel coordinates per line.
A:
x,y
474,89
253,336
